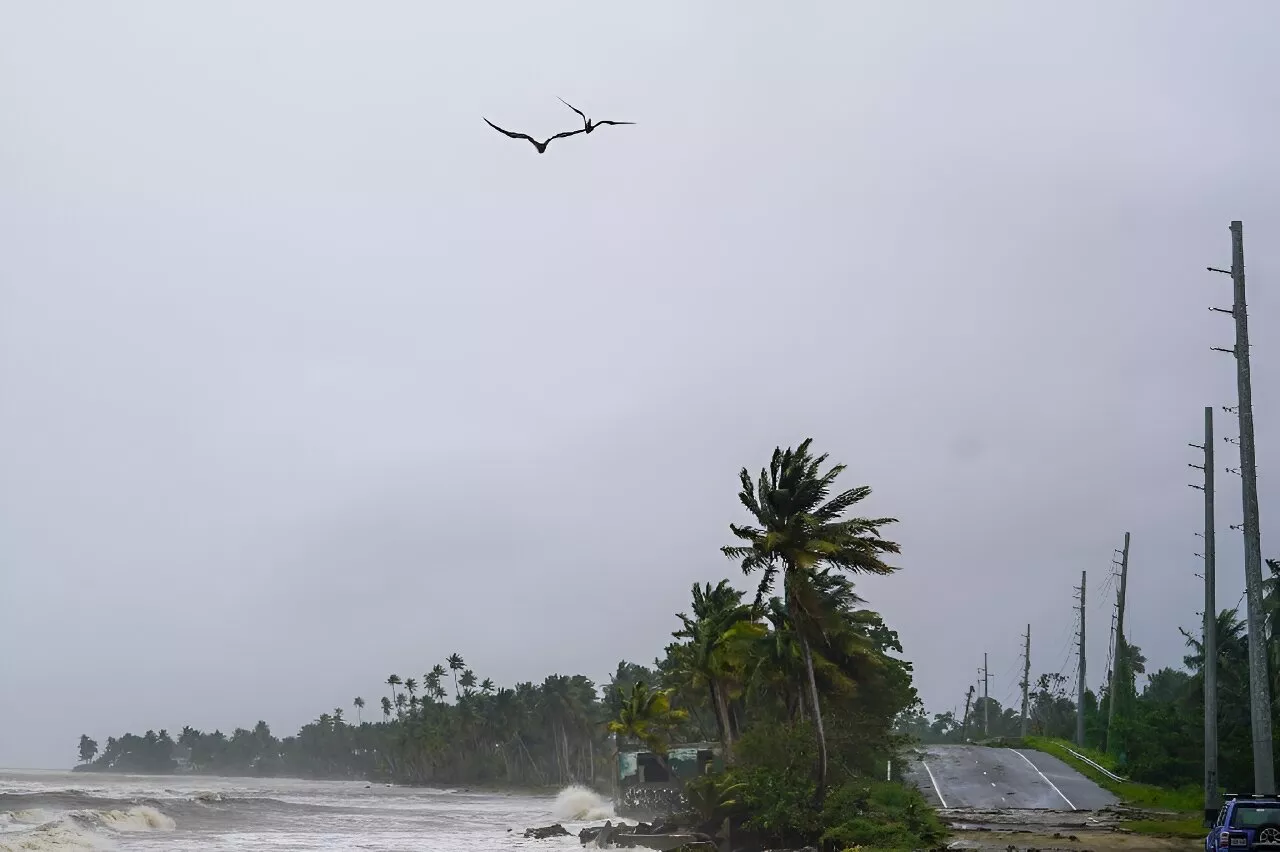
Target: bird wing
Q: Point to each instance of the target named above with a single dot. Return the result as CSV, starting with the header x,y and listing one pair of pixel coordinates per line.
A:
x,y
615,122
574,108
508,132
568,133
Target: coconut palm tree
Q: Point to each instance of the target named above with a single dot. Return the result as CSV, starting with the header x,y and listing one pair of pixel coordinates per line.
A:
x,y
358,703
467,681
431,682
721,629
411,687
646,715
393,681
455,665
798,530
386,707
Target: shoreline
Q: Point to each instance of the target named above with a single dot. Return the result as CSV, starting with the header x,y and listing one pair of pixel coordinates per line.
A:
x,y
489,787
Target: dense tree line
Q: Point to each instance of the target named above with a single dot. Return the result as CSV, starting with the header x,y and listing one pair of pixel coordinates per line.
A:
x,y
1158,733
446,727
800,684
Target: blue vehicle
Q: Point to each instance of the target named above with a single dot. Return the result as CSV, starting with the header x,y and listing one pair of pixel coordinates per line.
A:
x,y
1245,823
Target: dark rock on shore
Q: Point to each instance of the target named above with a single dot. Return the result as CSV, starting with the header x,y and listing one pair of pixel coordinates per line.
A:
x,y
556,830
659,836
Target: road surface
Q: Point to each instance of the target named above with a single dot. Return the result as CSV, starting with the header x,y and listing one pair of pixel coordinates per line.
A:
x,y
968,776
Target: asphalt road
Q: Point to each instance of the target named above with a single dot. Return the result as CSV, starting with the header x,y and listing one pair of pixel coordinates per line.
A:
x,y
968,776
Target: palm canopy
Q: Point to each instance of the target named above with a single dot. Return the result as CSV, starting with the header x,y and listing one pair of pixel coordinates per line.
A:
x,y
715,654
720,626
646,715
798,527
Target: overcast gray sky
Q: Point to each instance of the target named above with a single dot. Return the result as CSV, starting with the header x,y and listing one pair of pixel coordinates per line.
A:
x,y
308,376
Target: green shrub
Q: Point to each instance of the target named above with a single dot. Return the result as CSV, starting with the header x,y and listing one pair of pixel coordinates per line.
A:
x,y
881,815
775,795
779,805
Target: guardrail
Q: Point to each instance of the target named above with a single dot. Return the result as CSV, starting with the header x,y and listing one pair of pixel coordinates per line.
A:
x,y
1107,772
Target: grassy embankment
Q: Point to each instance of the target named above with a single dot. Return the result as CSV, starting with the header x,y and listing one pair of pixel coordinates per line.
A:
x,y
1183,807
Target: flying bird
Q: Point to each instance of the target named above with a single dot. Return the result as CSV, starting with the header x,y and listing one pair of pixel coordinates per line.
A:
x,y
588,124
541,146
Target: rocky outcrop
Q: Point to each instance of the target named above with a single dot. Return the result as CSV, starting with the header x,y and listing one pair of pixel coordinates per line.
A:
x,y
658,836
556,830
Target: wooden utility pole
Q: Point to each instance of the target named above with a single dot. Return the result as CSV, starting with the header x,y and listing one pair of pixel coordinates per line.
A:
x,y
1118,668
1026,679
1264,776
986,697
964,724
1209,640
1080,685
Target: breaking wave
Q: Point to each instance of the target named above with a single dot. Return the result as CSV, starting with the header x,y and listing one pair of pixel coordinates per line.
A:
x,y
579,804
40,831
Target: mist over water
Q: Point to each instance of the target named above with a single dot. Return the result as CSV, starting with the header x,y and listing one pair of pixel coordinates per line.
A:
x,y
42,811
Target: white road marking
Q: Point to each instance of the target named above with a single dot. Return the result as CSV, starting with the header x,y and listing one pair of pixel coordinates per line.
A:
x,y
1046,779
934,781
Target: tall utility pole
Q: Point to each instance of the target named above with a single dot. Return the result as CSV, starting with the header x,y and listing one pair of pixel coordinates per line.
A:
x,y
964,724
1118,668
1026,678
1080,685
1209,641
986,697
1264,775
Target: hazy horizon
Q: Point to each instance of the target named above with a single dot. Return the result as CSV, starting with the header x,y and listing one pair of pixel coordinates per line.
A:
x,y
310,377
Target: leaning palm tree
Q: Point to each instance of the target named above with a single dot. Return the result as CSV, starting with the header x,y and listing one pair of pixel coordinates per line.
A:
x,y
455,665
720,629
646,715
431,679
800,530
393,681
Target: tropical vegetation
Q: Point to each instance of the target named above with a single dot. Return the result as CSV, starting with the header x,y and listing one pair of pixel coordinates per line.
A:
x,y
801,685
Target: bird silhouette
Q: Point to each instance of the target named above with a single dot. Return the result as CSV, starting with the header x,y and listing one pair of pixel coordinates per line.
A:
x,y
587,124
541,146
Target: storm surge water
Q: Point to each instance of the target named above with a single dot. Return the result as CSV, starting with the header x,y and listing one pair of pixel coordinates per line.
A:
x,y
51,811
580,804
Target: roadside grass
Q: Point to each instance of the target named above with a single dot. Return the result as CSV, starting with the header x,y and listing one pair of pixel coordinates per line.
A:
x,y
1190,828
1186,802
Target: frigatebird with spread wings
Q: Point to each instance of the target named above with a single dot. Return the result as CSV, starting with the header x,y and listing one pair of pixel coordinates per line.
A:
x,y
541,146
588,124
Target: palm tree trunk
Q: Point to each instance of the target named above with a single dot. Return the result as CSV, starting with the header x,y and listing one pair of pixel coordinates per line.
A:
x,y
821,769
533,764
724,721
568,762
715,708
